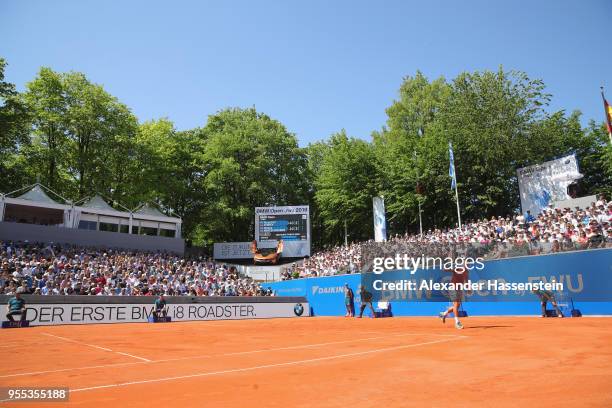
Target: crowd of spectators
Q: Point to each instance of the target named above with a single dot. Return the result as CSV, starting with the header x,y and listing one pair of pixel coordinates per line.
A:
x,y
342,259
553,230
71,270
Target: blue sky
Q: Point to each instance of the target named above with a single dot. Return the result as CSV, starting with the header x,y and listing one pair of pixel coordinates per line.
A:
x,y
317,66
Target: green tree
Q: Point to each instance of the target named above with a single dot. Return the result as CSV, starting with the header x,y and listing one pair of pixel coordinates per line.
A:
x,y
168,170
489,118
186,197
82,135
595,159
315,153
47,156
97,125
249,160
14,132
154,150
398,148
345,185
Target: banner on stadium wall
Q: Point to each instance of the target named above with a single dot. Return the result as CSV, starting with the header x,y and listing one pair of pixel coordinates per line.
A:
x,y
380,221
288,223
58,313
545,183
242,250
232,250
586,275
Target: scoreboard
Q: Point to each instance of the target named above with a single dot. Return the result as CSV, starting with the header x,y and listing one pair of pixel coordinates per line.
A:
x,y
289,223
288,227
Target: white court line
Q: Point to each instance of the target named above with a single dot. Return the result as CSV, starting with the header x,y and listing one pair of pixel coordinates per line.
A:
x,y
97,347
130,355
288,363
303,346
72,369
77,342
237,353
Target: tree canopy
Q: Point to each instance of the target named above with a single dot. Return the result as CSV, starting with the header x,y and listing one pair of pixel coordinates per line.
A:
x,y
78,139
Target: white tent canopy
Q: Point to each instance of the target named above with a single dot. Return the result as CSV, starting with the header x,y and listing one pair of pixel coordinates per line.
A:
x,y
94,214
35,196
98,203
34,206
38,195
149,210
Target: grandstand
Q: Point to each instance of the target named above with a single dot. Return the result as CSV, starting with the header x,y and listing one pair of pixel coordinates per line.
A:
x,y
552,231
43,267
36,217
53,269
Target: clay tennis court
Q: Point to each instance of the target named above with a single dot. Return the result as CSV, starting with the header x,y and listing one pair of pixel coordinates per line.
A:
x,y
319,362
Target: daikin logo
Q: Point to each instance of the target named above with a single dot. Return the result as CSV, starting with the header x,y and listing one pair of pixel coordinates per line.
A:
x,y
317,290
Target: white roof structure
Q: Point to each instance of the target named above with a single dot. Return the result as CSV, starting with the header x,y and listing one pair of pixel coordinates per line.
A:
x,y
37,194
35,197
146,209
98,203
94,208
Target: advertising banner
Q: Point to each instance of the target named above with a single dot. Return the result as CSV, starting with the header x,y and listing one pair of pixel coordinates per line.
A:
x,y
232,250
586,277
60,313
545,183
380,222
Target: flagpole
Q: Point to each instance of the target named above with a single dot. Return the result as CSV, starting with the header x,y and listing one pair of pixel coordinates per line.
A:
x,y
453,173
457,199
418,195
606,112
420,219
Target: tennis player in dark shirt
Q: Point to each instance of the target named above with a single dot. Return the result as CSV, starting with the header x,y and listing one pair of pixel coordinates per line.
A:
x,y
366,300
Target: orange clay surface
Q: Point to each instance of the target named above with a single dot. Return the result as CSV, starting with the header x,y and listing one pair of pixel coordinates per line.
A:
x,y
517,362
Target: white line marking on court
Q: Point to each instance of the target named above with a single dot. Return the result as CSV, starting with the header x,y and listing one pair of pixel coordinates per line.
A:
x,y
71,369
288,363
97,347
130,355
303,346
321,344
77,342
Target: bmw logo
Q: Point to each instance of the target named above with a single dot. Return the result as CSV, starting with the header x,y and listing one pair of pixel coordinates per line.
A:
x,y
298,309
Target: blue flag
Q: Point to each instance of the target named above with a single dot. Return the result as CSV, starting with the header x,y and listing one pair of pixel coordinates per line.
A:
x,y
451,169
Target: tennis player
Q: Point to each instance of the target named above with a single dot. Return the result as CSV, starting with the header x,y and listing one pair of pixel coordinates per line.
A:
x,y
460,275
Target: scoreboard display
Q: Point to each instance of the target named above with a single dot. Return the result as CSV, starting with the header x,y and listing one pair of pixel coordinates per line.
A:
x,y
289,223
288,227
